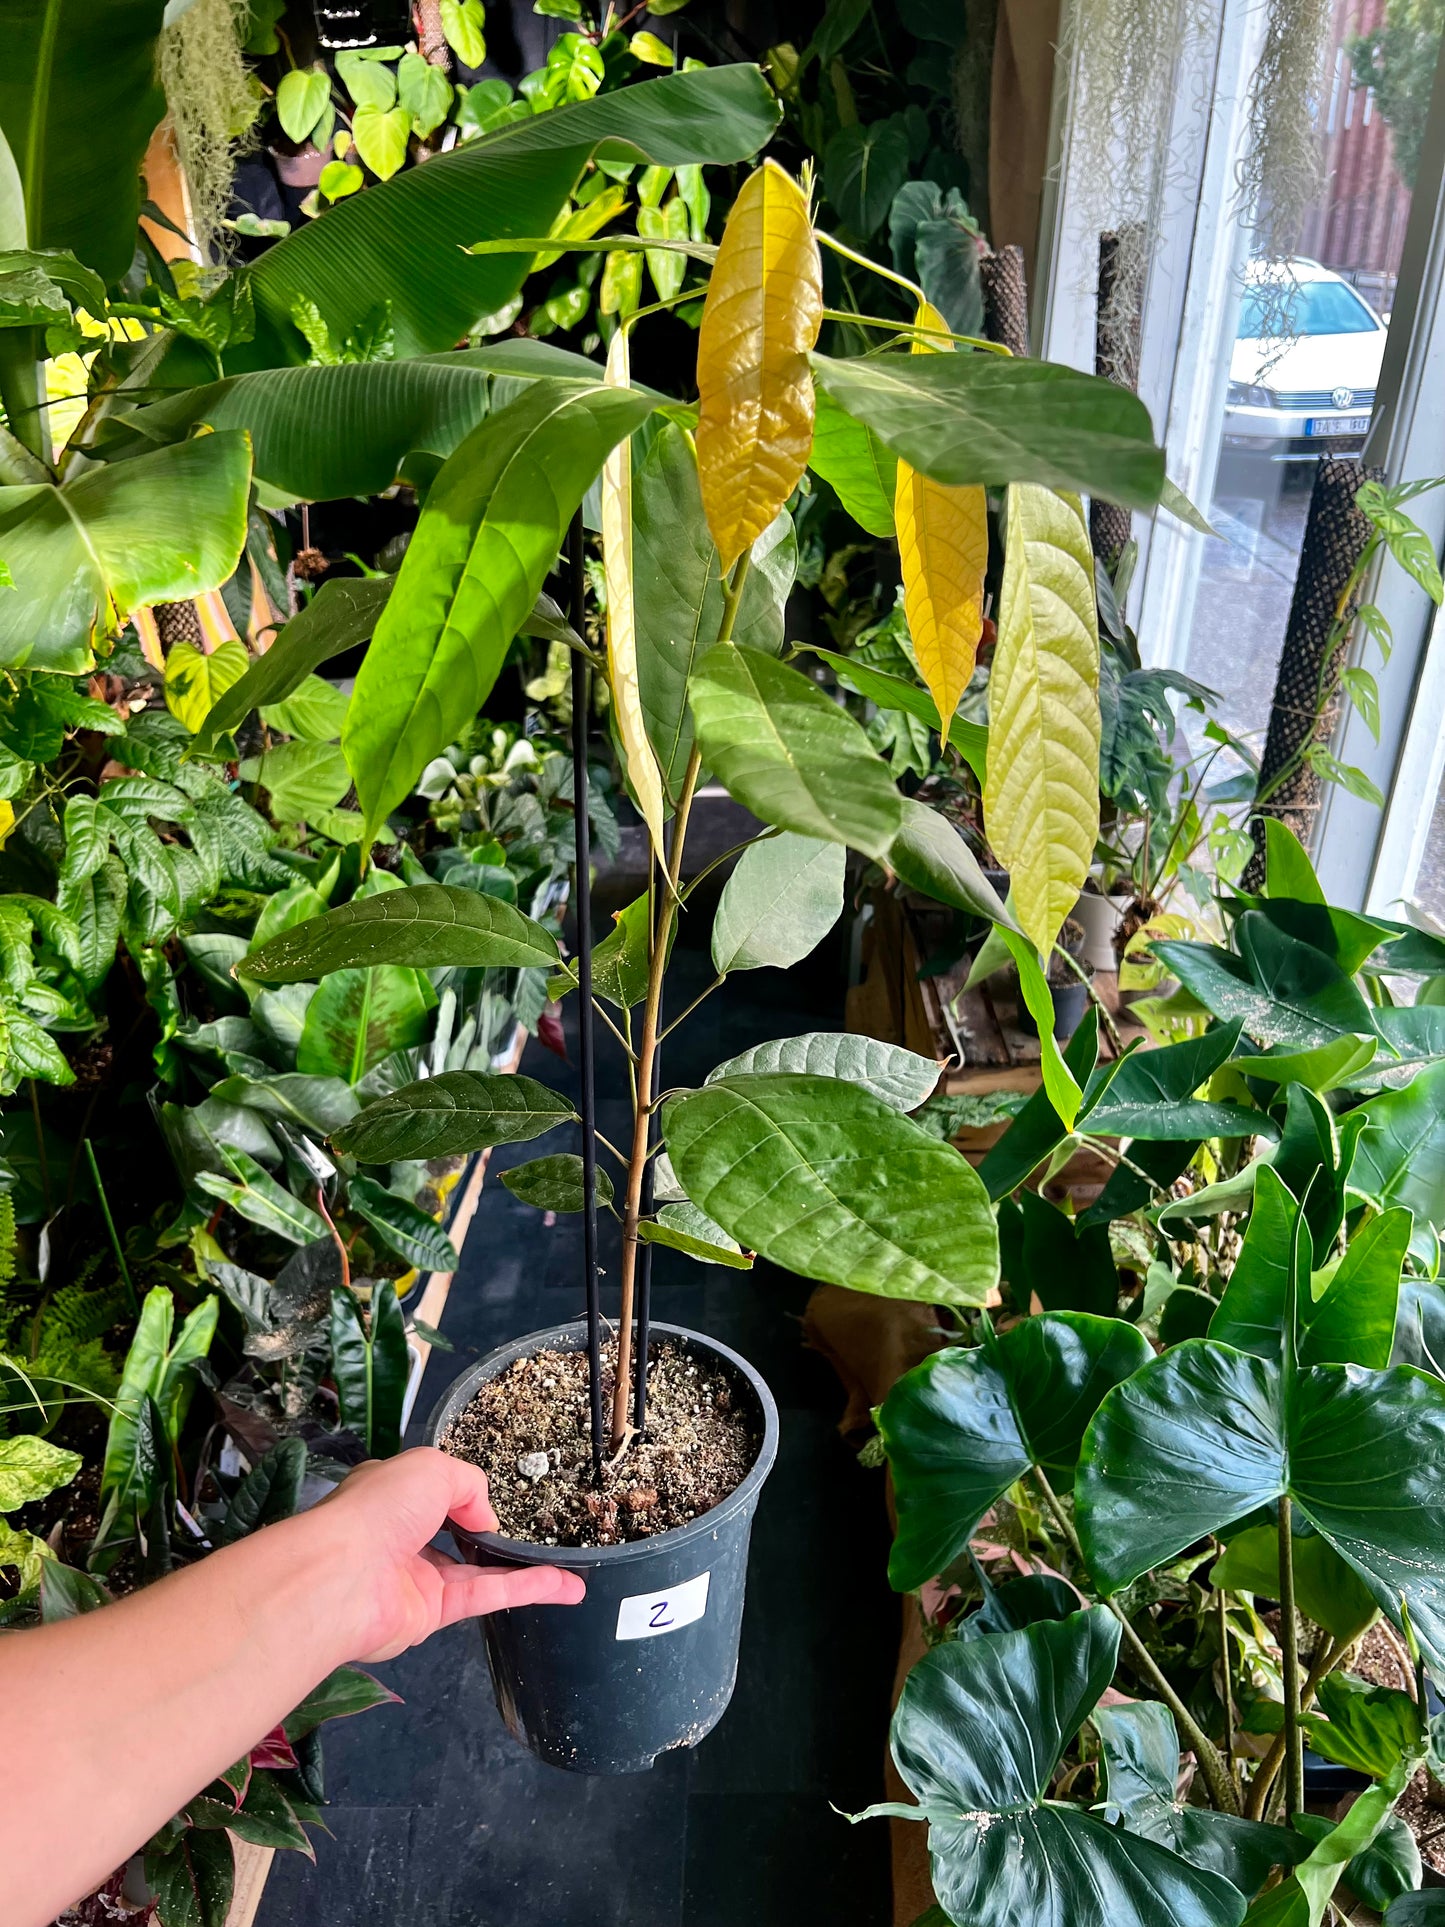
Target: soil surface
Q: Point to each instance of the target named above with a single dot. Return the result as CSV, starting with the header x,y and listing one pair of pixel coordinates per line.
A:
x,y
529,1430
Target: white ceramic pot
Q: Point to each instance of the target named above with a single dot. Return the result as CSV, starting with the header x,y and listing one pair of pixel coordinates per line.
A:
x,y
1100,917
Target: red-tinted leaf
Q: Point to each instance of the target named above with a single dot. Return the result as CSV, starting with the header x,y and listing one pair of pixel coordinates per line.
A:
x,y
549,1032
274,1751
347,1690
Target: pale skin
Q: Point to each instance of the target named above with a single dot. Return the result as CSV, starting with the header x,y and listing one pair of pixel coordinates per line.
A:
x,y
122,1715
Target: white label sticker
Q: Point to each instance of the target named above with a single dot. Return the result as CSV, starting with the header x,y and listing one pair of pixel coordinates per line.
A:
x,y
647,1614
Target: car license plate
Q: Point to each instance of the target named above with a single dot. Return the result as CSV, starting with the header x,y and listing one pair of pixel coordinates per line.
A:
x,y
1338,425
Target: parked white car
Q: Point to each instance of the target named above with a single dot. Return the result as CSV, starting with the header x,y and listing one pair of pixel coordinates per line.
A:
x,y
1305,367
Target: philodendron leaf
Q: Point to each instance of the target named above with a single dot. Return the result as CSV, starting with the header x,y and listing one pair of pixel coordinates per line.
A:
x,y
1041,800
682,1227
781,900
402,1225
555,1183
487,539
1206,1435
31,1467
900,1077
763,311
427,926
1322,1069
783,750
370,1364
1140,1746
1327,1590
458,1111
960,1428
980,1728
1151,1095
256,1195
1038,1129
995,420
1284,991
1400,1159
825,1179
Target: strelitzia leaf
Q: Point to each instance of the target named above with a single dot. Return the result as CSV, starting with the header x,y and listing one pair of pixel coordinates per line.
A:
x,y
1041,800
943,550
762,315
642,772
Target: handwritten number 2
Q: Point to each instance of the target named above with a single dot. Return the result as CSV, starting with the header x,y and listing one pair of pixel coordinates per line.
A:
x,y
657,1619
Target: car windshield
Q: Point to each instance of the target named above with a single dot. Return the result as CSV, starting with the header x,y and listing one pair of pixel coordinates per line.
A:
x,y
1273,310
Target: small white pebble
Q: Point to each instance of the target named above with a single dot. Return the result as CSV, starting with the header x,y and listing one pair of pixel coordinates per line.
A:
x,y
533,1465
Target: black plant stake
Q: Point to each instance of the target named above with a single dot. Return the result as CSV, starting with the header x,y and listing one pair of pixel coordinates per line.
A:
x,y
644,1255
581,696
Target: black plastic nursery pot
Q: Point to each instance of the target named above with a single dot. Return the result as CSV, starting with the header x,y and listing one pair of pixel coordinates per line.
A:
x,y
648,1661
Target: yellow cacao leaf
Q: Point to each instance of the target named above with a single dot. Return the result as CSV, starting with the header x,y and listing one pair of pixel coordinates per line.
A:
x,y
943,549
760,321
642,770
1041,798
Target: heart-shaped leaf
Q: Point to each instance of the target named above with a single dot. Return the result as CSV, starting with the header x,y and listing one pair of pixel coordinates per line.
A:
x,y
1206,1435
823,1178
1401,1156
455,1112
1284,991
980,1728
960,1428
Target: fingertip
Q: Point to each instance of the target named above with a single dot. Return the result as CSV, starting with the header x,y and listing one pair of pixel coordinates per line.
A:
x,y
470,1501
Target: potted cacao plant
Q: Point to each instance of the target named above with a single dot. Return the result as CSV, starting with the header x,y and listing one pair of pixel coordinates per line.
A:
x,y
801,1150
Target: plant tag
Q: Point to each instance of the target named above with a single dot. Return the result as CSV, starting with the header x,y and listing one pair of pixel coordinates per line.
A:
x,y
647,1614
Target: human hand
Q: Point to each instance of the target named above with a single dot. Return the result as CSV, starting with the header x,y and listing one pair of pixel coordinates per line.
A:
x,y
400,1588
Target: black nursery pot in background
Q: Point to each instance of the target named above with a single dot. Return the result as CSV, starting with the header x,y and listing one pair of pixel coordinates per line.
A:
x,y
648,1661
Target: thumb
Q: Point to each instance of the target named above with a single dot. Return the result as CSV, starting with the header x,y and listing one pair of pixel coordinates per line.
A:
x,y
468,1592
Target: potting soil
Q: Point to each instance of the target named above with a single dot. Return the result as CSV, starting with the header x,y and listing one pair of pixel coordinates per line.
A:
x,y
529,1429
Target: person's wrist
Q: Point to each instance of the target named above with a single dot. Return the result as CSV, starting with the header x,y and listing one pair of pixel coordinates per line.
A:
x,y
320,1580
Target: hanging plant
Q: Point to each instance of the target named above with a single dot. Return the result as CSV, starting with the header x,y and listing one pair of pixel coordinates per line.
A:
x,y
213,99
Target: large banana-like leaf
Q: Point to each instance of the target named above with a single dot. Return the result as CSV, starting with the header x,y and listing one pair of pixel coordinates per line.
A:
x,y
979,1731
789,755
943,551
1041,799
1206,1435
79,100
992,420
823,1178
755,392
83,555
963,1426
400,245
679,616
489,534
325,430
643,776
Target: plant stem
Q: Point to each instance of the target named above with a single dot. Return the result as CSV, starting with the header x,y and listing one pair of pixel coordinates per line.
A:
x,y
115,1243
647,1047
683,1016
1328,1655
1222,1790
1227,1683
1110,1030
1294,1768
